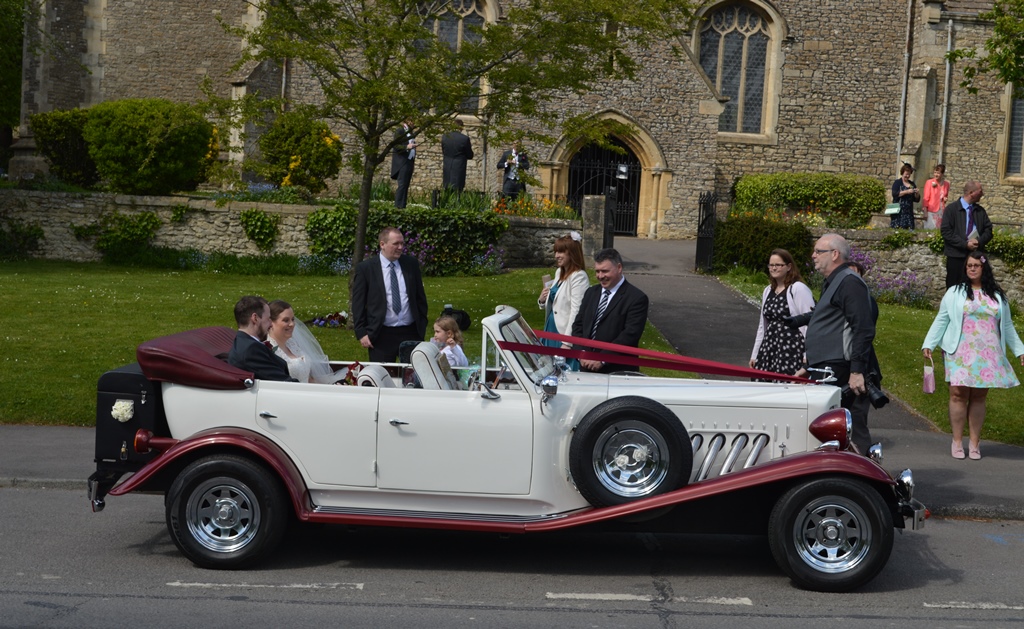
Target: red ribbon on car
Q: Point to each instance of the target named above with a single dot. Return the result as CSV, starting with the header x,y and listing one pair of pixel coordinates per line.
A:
x,y
635,356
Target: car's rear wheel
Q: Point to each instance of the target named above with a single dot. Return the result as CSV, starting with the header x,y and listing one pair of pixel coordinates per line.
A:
x,y
226,512
629,448
831,535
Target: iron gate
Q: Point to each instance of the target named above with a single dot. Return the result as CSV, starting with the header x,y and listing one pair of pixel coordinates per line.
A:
x,y
706,216
593,169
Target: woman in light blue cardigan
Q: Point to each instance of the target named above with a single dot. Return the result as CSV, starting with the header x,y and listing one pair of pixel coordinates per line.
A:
x,y
972,327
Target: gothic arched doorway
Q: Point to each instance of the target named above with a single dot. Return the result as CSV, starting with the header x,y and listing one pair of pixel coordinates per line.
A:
x,y
593,169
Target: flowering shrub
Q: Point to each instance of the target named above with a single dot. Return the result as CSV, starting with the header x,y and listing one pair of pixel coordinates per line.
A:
x,y
264,193
300,150
903,290
862,257
490,262
324,264
525,205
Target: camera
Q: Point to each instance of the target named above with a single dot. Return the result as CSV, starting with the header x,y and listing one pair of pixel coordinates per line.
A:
x,y
875,394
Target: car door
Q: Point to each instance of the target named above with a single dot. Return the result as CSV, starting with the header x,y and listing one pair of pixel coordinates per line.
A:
x,y
455,441
329,431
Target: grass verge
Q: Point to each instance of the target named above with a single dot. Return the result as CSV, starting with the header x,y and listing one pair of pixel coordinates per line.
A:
x,y
898,338
67,323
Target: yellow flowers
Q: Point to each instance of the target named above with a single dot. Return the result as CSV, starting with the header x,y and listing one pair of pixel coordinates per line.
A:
x,y
293,164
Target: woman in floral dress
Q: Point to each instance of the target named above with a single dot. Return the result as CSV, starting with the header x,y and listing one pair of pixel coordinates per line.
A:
x,y
904,192
972,327
777,348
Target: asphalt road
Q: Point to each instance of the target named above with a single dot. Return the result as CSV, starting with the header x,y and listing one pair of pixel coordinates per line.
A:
x,y
63,566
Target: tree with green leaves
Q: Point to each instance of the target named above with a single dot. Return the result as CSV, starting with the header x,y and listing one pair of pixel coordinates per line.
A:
x,y
379,62
1004,50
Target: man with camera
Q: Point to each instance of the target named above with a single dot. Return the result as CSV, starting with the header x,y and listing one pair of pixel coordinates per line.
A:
x,y
840,331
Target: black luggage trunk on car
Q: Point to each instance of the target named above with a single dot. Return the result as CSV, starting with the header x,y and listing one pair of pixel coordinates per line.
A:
x,y
114,451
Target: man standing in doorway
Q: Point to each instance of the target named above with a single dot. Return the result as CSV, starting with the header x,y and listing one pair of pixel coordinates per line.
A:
x,y
456,150
965,228
613,311
389,305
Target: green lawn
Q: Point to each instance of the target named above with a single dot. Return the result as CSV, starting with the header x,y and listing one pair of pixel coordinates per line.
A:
x,y
66,323
898,340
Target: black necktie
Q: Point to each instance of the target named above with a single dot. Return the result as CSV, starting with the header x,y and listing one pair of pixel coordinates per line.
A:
x,y
396,299
601,307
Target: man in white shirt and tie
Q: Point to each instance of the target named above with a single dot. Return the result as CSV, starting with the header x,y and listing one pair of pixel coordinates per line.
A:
x,y
389,305
965,228
613,311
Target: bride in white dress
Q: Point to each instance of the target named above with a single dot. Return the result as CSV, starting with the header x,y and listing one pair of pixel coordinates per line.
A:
x,y
293,342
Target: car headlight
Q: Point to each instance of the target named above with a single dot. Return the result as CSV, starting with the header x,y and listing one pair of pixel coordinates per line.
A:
x,y
834,425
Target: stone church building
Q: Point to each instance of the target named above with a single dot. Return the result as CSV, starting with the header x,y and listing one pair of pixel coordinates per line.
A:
x,y
766,86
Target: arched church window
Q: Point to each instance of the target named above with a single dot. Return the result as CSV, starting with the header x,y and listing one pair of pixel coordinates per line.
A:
x,y
459,22
1015,145
734,45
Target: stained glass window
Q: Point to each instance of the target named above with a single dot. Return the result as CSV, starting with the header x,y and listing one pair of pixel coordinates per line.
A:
x,y
733,53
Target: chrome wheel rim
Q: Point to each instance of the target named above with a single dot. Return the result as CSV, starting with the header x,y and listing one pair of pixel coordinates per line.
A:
x,y
832,535
631,459
223,515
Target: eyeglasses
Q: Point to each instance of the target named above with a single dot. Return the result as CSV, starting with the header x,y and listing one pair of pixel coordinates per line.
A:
x,y
975,266
776,266
821,251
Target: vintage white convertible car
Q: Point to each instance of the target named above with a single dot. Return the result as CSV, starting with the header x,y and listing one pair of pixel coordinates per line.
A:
x,y
514,445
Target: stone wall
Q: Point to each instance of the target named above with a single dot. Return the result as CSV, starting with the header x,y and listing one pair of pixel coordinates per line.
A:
x,y
208,228
930,268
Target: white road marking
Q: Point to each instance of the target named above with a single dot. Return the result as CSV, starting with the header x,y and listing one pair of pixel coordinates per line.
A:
x,y
969,605
644,598
283,586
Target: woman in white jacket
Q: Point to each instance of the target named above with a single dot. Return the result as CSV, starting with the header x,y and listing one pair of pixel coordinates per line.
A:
x,y
777,348
972,327
561,300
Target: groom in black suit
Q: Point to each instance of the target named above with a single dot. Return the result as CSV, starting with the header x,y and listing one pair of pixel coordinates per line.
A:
x,y
613,311
389,304
250,351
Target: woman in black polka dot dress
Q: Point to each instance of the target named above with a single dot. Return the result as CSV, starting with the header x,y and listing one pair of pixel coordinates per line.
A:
x,y
778,348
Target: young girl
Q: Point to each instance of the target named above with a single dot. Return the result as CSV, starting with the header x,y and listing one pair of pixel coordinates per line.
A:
x,y
448,337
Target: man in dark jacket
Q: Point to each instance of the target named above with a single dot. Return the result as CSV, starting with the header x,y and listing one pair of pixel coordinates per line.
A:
x,y
403,162
613,311
389,305
456,150
841,330
513,162
250,350
965,228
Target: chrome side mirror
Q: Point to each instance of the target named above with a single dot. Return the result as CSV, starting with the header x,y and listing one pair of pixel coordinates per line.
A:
x,y
487,393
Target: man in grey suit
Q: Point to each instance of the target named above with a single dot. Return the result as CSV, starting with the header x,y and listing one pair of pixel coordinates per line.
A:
x,y
389,305
250,350
456,150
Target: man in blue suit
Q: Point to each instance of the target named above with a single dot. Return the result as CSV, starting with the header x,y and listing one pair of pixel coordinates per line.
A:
x,y
389,305
250,350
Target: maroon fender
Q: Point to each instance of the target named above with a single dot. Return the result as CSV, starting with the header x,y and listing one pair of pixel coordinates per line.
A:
x,y
252,442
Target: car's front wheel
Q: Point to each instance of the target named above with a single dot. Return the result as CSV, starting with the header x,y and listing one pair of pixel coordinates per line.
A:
x,y
831,535
628,448
226,511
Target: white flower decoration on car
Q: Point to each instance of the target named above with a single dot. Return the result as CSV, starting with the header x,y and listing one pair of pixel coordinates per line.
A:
x,y
123,410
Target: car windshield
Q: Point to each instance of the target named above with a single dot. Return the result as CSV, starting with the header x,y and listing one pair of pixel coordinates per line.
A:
x,y
536,365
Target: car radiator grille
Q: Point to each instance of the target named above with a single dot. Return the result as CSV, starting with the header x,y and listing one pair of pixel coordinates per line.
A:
x,y
715,455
